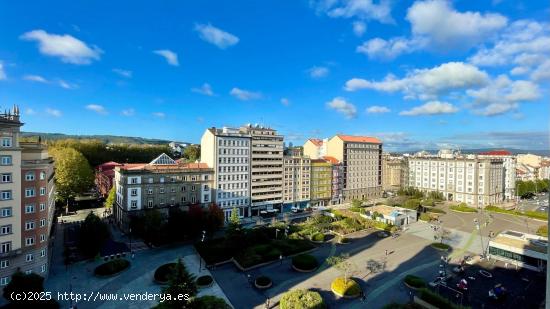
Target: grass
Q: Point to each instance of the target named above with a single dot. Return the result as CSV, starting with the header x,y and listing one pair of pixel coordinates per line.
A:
x,y
318,237
436,211
462,208
305,262
543,231
441,246
529,214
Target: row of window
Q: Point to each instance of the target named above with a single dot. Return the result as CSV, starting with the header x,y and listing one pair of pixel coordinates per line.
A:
x,y
162,179
230,169
233,143
29,192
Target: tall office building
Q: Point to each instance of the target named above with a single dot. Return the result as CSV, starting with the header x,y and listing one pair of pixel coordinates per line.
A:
x,y
510,164
27,196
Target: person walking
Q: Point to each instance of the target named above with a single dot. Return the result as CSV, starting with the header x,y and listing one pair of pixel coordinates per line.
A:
x,y
386,251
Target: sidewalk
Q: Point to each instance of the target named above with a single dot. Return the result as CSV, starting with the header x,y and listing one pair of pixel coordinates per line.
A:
x,y
458,239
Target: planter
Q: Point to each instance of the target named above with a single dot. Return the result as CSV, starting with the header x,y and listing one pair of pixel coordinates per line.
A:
x,y
349,290
304,263
344,241
162,273
204,282
440,246
263,282
411,279
111,268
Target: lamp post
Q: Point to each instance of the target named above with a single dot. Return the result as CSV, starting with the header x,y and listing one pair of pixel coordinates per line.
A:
x,y
130,236
276,233
200,258
478,227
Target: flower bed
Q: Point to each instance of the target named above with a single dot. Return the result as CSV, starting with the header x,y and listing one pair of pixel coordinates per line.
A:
x,y
349,289
530,214
305,263
414,282
263,282
441,246
204,281
162,274
111,268
302,299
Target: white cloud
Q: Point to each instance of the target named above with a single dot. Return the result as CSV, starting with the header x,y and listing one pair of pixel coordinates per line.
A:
x,y
447,28
159,114
361,9
97,108
35,78
3,75
341,106
502,95
66,47
427,83
170,56
359,28
205,89
318,72
542,72
431,108
216,36
123,73
128,112
245,95
389,49
285,101
375,109
30,111
66,85
53,112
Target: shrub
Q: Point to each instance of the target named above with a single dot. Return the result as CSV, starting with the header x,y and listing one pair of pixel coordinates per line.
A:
x,y
305,262
349,288
530,214
425,217
318,237
162,274
344,240
204,280
436,211
441,246
543,231
428,202
414,281
263,281
112,267
301,299
412,204
463,207
209,302
435,299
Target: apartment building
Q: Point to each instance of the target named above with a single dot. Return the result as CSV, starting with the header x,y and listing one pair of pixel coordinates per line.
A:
x,y
104,177
266,168
296,181
27,195
510,166
161,184
361,157
337,182
476,181
394,172
321,182
227,151
315,148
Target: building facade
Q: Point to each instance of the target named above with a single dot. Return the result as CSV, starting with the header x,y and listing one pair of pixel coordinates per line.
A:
x,y
104,176
337,182
296,182
315,148
227,151
520,249
27,196
393,172
161,184
361,157
476,181
510,167
321,182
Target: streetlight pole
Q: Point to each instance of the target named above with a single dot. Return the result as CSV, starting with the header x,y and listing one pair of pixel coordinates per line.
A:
x,y
200,258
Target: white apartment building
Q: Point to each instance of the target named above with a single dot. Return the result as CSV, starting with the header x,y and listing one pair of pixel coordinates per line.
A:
x,y
476,181
296,182
227,151
510,165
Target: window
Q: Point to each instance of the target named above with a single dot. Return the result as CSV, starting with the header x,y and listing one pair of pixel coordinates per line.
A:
x,y
133,204
42,175
6,177
43,268
42,237
29,241
29,176
28,272
133,192
4,280
43,253
29,225
29,192
4,263
29,209
5,212
42,222
5,160
150,191
5,229
42,206
6,141
161,179
5,247
151,180
43,191
161,190
133,180
5,195
150,203
29,257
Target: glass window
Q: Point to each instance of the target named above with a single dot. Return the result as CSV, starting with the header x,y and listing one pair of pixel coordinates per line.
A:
x,y
5,160
6,177
6,141
29,176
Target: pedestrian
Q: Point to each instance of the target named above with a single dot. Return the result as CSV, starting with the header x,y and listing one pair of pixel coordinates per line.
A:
x,y
267,303
363,297
386,251
281,258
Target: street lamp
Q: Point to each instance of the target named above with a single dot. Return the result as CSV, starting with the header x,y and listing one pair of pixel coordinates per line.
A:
x,y
130,236
276,233
200,257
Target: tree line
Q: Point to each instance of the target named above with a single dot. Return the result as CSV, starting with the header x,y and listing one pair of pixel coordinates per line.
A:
x,y
526,189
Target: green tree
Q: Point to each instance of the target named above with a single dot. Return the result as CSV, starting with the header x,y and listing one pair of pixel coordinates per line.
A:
x,y
73,174
234,219
26,283
342,263
110,198
92,235
192,153
181,283
214,218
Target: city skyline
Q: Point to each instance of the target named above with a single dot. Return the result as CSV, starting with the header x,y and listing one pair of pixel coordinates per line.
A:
x,y
375,69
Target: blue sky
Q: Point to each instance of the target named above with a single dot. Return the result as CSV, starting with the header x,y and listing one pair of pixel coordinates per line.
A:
x,y
417,74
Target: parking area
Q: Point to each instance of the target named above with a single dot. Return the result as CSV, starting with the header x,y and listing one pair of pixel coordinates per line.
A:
x,y
538,203
493,284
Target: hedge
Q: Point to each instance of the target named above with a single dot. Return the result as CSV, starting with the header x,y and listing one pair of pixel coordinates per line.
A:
x,y
463,208
112,267
209,302
530,214
543,231
350,288
318,237
441,246
305,262
162,274
415,281
436,299
425,217
302,299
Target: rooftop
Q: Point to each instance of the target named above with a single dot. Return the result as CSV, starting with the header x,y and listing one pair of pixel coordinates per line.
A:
x,y
316,141
330,159
522,241
496,153
359,139
387,211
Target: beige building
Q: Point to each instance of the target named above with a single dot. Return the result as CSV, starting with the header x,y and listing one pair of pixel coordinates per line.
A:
x,y
315,148
161,184
296,181
27,195
321,182
529,159
394,172
266,168
227,151
476,181
361,157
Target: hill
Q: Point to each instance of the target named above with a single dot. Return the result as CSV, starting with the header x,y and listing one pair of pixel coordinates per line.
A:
x,y
109,139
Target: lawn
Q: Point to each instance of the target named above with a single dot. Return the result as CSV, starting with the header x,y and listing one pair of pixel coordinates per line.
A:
x,y
530,214
462,208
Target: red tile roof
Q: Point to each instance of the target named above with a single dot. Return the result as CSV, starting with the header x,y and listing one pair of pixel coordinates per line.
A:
x,y
496,153
146,166
359,139
194,165
316,141
330,159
